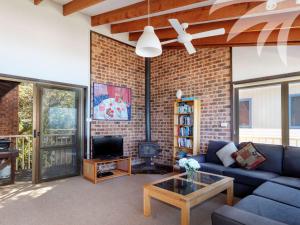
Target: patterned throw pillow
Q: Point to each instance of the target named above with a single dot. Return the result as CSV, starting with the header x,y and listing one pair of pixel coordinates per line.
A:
x,y
248,157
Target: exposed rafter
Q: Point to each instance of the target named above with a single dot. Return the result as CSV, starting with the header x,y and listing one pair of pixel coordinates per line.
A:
x,y
77,5
139,9
198,15
170,33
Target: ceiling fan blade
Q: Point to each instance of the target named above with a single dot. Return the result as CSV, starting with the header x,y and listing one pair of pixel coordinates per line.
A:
x,y
177,26
210,33
168,42
189,47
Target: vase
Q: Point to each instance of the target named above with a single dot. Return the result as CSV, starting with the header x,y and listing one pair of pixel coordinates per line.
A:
x,y
190,175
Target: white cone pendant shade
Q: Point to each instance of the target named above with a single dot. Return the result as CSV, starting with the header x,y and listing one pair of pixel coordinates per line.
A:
x,y
148,44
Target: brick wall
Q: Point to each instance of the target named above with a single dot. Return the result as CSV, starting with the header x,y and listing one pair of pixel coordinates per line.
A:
x,y
116,63
207,75
9,122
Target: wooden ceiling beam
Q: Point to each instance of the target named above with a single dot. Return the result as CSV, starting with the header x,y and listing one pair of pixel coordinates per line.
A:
x,y
36,2
77,5
297,43
139,9
170,33
200,15
246,39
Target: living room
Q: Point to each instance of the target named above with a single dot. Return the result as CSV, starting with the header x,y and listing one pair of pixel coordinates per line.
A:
x,y
220,80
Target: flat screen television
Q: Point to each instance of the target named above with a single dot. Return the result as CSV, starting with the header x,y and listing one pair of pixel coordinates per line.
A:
x,y
107,147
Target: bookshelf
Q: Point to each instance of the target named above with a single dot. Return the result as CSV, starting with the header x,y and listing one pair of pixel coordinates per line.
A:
x,y
187,115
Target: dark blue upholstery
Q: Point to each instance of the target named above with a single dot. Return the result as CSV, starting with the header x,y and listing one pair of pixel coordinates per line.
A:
x,y
291,162
288,181
279,193
273,189
242,190
227,215
213,147
249,177
212,168
274,157
270,209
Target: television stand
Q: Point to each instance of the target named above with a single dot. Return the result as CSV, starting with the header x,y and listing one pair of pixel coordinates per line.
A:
x,y
90,169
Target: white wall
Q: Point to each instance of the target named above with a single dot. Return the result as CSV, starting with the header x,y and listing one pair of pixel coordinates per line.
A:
x,y
247,64
39,42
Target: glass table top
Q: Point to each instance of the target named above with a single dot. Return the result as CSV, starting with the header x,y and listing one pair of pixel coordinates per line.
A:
x,y
204,178
178,186
181,186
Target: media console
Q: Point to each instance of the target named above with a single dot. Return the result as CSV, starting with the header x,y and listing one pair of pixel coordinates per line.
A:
x,y
92,173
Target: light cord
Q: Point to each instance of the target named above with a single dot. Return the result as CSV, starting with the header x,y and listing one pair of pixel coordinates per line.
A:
x,y
148,12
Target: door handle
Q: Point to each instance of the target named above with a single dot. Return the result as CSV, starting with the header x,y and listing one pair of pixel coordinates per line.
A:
x,y
36,133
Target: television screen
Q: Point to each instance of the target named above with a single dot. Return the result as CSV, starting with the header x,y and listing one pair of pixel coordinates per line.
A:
x,y
105,147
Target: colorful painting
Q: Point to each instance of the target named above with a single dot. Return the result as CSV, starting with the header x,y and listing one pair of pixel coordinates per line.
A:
x,y
112,102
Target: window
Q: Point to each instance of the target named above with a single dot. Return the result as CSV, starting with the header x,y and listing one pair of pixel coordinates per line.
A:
x,y
295,111
294,114
268,112
245,113
259,114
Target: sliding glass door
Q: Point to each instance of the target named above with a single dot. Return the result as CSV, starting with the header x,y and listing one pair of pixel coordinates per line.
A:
x,y
59,148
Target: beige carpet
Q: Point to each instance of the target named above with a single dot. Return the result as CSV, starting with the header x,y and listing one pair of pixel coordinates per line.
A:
x,y
75,201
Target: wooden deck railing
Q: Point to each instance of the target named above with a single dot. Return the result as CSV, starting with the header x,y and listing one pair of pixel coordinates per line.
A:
x,y
268,140
24,144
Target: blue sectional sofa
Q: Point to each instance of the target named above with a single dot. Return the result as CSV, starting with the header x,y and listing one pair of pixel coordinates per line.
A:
x,y
271,193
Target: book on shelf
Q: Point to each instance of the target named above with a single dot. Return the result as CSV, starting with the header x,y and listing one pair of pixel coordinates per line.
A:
x,y
186,120
185,142
184,108
185,131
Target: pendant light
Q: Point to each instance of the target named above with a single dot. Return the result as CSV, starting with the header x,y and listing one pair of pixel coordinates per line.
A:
x,y
148,44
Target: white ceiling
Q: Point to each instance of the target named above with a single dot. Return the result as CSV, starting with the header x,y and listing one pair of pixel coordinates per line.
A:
x,y
105,6
109,5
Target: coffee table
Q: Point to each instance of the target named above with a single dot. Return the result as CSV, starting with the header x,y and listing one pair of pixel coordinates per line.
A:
x,y
178,191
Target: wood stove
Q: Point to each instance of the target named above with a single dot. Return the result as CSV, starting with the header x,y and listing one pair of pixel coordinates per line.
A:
x,y
148,149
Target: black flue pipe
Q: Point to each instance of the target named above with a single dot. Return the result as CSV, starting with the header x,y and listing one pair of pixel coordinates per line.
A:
x,y
148,98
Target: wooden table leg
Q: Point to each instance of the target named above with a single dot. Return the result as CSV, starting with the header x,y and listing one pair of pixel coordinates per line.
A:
x,y
147,203
185,215
230,195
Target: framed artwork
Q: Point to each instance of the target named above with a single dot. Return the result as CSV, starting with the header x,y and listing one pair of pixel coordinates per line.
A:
x,y
111,102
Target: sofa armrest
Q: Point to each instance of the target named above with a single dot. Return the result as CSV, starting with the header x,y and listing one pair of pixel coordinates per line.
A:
x,y
227,215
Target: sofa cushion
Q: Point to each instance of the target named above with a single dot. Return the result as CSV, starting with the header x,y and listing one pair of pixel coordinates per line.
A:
x,y
248,157
224,154
212,168
291,165
249,177
279,193
213,147
227,215
273,155
270,209
287,181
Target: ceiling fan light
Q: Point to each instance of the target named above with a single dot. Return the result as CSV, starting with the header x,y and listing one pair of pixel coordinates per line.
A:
x,y
148,44
271,5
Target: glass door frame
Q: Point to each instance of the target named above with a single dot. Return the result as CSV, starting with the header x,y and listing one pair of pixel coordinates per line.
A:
x,y
37,97
284,83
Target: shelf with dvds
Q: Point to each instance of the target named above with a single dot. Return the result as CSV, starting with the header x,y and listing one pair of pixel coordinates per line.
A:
x,y
187,116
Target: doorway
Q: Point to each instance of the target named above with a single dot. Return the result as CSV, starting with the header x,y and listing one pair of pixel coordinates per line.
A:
x,y
50,133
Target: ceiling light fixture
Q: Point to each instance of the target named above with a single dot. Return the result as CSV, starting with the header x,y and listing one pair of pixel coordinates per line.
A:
x,y
148,44
271,5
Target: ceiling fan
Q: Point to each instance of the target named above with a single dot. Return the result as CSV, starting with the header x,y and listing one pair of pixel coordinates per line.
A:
x,y
186,38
